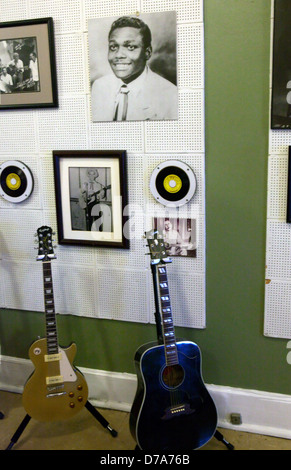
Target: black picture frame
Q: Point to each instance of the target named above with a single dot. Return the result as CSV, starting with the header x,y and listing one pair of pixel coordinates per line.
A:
x,y
91,197
281,71
31,81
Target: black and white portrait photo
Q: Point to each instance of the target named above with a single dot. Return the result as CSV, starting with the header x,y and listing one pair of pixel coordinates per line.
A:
x,y
133,67
90,199
179,235
19,72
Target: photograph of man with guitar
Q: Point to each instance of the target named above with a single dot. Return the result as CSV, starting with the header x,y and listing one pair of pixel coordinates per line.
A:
x,y
90,197
179,235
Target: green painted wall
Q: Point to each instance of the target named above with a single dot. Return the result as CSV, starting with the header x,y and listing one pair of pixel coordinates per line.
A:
x,y
234,350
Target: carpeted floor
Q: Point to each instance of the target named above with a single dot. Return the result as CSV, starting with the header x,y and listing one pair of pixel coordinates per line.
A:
x,y
84,432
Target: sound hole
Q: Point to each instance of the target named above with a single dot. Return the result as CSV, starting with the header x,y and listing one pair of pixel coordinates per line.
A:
x,y
173,376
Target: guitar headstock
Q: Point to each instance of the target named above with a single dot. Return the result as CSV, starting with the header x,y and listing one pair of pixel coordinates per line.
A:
x,y
157,247
45,244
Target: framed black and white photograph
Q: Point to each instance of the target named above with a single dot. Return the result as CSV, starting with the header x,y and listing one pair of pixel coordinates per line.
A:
x,y
281,80
179,235
133,67
27,64
91,195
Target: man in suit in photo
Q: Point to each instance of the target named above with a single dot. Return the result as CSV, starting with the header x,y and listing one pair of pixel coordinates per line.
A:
x,y
133,91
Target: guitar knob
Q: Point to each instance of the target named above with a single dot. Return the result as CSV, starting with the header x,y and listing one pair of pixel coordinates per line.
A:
x,y
72,405
71,394
80,398
79,387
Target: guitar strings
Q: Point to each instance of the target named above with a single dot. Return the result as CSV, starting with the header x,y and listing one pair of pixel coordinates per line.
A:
x,y
175,393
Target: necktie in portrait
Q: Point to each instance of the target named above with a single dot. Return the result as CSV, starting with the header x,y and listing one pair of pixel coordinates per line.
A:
x,y
121,104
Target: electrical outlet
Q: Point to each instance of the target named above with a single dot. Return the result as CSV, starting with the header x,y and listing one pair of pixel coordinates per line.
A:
x,y
235,418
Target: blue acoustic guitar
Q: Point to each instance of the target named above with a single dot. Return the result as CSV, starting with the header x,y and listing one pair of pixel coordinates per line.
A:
x,y
172,409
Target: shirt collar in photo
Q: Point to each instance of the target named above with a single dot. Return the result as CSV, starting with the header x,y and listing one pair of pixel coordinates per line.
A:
x,y
136,85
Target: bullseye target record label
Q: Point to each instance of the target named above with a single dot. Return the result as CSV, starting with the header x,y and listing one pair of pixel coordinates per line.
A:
x,y
16,181
173,183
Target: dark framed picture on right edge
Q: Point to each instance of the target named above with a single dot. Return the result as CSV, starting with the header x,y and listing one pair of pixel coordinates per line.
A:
x,y
288,210
281,67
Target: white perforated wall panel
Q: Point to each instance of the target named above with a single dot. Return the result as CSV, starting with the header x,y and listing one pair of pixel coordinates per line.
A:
x,y
12,10
110,8
187,10
277,186
277,309
68,283
25,123
187,133
277,318
123,294
279,140
65,127
67,15
102,282
23,285
71,77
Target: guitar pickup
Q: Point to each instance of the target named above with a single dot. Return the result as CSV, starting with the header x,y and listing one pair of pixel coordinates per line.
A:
x,y
54,379
55,387
52,357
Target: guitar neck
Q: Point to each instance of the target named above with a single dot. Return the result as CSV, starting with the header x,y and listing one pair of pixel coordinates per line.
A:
x,y
171,353
51,325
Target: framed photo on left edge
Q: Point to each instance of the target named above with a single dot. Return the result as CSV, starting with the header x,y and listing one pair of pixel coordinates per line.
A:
x,y
27,64
91,197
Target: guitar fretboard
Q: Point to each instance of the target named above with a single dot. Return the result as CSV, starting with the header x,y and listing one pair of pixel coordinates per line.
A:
x,y
51,326
167,319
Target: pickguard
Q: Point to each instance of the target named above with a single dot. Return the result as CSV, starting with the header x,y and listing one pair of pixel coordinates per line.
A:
x,y
66,369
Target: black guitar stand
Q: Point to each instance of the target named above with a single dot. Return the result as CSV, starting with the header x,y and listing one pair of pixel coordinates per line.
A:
x,y
89,407
157,314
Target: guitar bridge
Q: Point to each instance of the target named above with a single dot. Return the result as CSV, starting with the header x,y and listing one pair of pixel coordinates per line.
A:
x,y
182,409
57,394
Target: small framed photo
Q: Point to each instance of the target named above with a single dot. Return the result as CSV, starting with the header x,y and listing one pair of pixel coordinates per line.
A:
x,y
27,64
91,195
179,235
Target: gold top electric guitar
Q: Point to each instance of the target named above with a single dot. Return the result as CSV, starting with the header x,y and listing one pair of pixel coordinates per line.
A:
x,y
56,390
